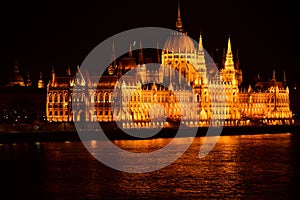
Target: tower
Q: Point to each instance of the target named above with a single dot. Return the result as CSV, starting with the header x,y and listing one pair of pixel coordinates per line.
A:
x,y
228,73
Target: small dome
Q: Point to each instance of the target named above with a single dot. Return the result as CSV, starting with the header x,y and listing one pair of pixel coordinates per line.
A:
x,y
180,41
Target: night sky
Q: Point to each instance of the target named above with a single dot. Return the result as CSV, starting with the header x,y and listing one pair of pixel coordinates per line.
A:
x,y
43,33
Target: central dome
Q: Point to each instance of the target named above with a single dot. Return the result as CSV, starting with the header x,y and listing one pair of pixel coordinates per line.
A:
x,y
180,41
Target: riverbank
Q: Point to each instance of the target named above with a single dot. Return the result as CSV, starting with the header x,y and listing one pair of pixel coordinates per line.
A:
x,y
112,132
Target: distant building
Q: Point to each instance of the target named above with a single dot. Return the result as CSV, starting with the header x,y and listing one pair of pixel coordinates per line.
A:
x,y
22,101
217,97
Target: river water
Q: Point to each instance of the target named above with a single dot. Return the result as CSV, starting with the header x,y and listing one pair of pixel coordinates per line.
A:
x,y
265,166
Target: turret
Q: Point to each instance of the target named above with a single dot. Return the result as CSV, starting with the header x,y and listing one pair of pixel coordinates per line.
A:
x,y
28,80
69,71
274,76
52,76
284,79
130,50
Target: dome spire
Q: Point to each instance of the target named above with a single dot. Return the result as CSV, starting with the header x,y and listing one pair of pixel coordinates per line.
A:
x,y
178,22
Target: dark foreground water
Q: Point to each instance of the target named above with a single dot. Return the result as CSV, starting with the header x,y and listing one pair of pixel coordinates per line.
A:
x,y
239,167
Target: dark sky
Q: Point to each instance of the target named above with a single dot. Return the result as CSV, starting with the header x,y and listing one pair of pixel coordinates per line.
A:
x,y
62,32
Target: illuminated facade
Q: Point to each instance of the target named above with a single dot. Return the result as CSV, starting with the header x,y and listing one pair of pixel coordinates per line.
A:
x,y
217,97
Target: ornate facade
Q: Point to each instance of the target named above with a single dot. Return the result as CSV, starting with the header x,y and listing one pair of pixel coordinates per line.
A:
x,y
216,96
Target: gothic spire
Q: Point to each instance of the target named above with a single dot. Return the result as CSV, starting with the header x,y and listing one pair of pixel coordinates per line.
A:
x,y
201,58
158,54
52,75
68,71
274,76
113,55
141,55
229,58
130,50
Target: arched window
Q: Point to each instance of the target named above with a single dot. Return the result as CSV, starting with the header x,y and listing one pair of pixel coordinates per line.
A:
x,y
106,97
60,97
55,97
95,97
50,97
198,98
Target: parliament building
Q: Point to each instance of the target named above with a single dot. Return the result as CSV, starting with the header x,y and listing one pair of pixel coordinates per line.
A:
x,y
216,98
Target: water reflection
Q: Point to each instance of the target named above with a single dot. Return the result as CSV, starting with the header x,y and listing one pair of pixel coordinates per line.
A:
x,y
238,167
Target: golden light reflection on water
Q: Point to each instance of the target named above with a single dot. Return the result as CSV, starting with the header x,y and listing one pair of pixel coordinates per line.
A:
x,y
238,167
151,145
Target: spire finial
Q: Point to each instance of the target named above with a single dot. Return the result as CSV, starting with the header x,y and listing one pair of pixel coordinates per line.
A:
x,y
178,22
284,77
229,46
200,43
